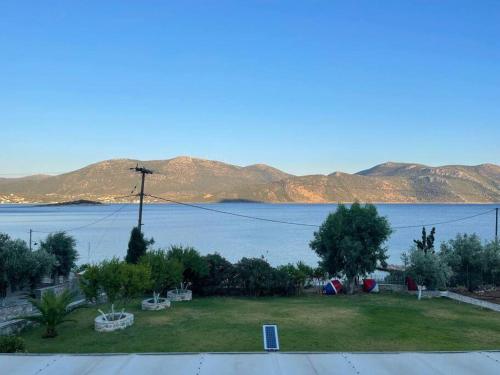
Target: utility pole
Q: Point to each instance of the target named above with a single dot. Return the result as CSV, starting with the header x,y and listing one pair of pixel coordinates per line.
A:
x,y
496,225
31,233
144,172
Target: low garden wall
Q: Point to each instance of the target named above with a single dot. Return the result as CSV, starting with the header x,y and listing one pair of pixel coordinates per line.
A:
x,y
14,311
472,301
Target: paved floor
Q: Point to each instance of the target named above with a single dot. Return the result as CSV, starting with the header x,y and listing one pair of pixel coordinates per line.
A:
x,y
258,363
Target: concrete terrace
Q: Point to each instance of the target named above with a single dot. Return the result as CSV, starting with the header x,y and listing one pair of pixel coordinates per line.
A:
x,y
456,363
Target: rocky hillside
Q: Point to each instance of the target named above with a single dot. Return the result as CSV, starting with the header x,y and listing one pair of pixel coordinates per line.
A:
x,y
191,179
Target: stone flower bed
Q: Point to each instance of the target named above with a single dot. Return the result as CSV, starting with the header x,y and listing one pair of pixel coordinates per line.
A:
x,y
113,321
178,295
152,305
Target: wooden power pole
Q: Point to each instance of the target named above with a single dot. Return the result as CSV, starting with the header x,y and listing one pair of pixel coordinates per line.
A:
x,y
143,171
496,225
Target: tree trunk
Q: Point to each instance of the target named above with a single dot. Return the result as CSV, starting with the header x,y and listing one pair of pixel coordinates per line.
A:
x,y
350,285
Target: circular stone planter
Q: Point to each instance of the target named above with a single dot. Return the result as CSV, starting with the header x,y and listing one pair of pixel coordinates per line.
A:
x,y
150,305
180,295
103,325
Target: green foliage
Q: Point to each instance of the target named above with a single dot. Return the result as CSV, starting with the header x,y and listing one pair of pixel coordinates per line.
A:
x,y
52,310
195,267
137,246
350,241
166,273
254,276
427,242
427,268
90,282
20,267
136,279
219,277
63,247
296,276
12,344
110,278
472,263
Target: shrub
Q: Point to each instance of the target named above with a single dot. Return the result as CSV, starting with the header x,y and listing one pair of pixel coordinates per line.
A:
x,y
62,246
110,279
219,277
490,263
135,280
297,275
255,276
90,282
12,344
194,266
52,310
427,268
166,273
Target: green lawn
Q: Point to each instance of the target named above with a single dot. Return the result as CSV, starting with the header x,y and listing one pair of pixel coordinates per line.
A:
x,y
385,322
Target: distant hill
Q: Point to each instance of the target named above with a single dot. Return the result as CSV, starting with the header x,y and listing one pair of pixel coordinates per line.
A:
x,y
198,180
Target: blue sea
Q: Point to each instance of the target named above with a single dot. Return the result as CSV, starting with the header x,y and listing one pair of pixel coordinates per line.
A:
x,y
102,231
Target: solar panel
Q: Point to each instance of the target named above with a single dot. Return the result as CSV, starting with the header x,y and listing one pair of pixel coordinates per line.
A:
x,y
270,333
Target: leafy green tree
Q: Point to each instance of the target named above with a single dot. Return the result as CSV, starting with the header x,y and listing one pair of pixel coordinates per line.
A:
x,y
137,246
427,242
53,311
427,268
166,273
195,267
350,241
63,247
297,275
464,255
490,263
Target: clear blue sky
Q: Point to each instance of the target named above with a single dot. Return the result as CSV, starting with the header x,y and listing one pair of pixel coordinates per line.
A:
x,y
306,86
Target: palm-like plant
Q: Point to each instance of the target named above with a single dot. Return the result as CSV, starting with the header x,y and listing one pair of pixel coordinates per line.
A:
x,y
52,310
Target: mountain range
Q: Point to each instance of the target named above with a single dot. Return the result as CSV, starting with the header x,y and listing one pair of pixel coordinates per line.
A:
x,y
190,179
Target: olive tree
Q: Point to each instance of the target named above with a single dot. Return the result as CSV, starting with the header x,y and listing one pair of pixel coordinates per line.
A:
x,y
62,246
350,242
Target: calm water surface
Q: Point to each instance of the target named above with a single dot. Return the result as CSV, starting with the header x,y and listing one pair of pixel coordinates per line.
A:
x,y
233,237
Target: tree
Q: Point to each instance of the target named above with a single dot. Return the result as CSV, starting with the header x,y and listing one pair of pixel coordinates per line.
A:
x,y
63,247
53,310
427,242
135,279
350,241
254,275
464,254
137,246
219,276
110,279
89,282
490,263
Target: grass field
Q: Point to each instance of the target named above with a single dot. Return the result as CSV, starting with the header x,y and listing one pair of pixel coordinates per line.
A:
x,y
385,322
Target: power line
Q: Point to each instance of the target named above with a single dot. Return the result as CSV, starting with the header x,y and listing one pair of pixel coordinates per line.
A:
x,y
85,225
305,224
444,222
233,213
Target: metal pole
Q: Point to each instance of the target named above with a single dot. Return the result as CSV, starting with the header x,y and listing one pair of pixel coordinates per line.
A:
x,y
31,232
141,202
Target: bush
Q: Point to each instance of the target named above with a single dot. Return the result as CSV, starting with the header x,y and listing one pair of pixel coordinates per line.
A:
x,y
63,248
110,279
219,277
490,263
297,276
12,344
255,276
194,266
135,279
90,282
166,273
427,268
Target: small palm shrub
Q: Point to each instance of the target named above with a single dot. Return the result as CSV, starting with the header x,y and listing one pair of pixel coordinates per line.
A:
x,y
52,310
11,344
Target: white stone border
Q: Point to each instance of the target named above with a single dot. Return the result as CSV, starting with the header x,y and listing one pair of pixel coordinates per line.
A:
x,y
150,305
178,295
103,325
